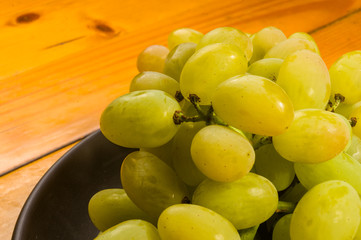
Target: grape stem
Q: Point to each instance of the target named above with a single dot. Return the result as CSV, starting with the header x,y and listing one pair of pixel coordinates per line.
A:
x,y
339,98
262,141
285,207
208,116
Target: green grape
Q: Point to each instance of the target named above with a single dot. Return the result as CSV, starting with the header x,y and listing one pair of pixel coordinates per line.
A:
x,y
154,80
163,152
152,58
246,202
181,150
267,67
314,136
289,46
346,109
228,35
183,35
355,148
131,229
176,59
293,194
342,167
281,231
358,233
305,78
222,154
109,207
345,76
253,104
248,233
210,66
150,183
274,167
193,222
330,210
140,119
264,40
356,114
303,35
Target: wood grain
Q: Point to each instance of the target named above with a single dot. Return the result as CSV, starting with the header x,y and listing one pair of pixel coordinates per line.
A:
x,y
63,61
16,187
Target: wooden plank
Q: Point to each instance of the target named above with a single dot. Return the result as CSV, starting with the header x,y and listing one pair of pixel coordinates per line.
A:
x,y
55,84
16,187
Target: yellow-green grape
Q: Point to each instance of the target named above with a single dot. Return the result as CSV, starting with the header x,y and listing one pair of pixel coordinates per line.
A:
x,y
314,136
281,231
358,233
222,154
253,104
154,80
163,152
228,35
289,46
330,210
346,109
140,119
176,59
345,76
342,167
109,207
305,78
356,114
355,148
150,183
183,35
264,40
132,229
303,35
181,151
266,67
294,194
274,167
246,202
193,222
152,58
210,66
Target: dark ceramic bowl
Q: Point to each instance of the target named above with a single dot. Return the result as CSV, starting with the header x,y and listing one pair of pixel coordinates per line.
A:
x,y
57,208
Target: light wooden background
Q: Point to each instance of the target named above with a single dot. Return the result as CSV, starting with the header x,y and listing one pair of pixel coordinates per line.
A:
x,y
63,61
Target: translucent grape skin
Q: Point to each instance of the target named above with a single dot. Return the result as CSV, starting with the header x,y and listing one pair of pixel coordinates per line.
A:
x,y
109,207
222,154
253,104
152,58
355,148
208,67
183,35
345,76
281,231
342,167
182,161
246,202
264,40
266,67
154,80
176,59
305,78
330,210
130,229
163,152
289,46
150,183
228,35
274,167
303,35
193,222
314,136
140,119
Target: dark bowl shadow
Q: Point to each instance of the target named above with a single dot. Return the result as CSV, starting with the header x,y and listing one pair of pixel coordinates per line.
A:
x,y
57,208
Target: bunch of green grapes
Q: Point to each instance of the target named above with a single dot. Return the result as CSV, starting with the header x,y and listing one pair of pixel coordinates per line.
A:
x,y
236,136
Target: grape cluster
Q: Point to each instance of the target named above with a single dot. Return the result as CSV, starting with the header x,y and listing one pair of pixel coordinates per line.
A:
x,y
237,136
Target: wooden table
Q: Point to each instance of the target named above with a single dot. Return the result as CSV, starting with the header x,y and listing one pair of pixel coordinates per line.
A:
x,y
63,61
